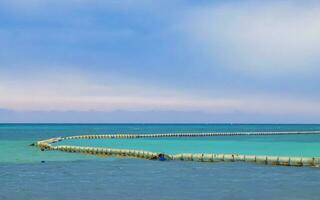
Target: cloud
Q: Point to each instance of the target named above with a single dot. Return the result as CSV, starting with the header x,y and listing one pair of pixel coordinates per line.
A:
x,y
103,56
9,116
78,91
266,38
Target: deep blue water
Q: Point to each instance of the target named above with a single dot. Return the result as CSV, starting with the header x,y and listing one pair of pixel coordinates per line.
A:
x,y
72,176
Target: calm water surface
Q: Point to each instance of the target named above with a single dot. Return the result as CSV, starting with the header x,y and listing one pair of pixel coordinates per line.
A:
x,y
76,176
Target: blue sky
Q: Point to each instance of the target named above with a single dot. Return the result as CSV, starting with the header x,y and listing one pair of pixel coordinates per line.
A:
x,y
159,61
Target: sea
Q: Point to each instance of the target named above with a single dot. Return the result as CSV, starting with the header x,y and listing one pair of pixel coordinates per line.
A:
x,y
28,173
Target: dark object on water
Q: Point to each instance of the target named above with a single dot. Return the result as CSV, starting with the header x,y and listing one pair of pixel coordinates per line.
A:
x,y
162,157
32,144
42,161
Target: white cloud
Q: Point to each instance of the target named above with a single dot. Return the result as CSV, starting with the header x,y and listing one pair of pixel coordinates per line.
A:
x,y
259,38
147,102
77,91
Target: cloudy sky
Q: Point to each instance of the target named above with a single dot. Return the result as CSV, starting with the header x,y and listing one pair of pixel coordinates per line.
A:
x,y
159,61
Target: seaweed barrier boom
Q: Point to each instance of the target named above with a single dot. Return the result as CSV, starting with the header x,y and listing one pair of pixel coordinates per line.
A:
x,y
270,160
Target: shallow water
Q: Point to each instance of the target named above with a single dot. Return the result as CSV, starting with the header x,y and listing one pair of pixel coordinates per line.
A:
x,y
278,145
76,176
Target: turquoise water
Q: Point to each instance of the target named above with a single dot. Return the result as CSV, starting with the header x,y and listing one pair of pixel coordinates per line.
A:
x,y
77,176
279,145
15,140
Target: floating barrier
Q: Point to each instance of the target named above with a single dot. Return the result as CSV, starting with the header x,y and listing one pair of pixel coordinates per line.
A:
x,y
183,135
268,160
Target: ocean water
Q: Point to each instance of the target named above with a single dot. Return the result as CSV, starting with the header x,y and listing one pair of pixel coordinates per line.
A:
x,y
77,176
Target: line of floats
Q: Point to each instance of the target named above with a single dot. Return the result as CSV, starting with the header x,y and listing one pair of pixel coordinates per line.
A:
x,y
269,160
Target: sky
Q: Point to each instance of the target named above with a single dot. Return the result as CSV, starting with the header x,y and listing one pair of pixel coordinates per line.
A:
x,y
168,61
